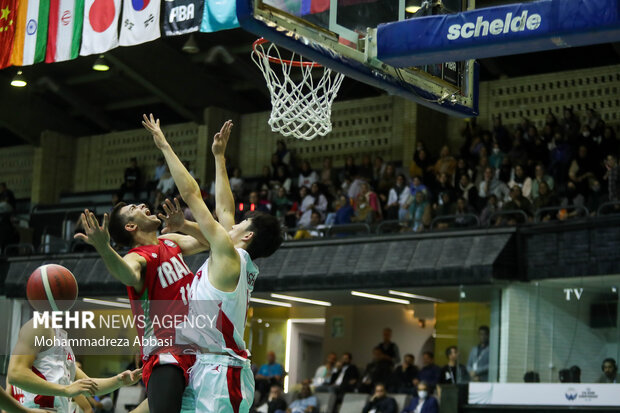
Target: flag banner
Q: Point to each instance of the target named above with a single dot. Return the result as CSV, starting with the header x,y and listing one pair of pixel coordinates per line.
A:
x,y
31,32
64,30
8,22
219,15
100,32
182,16
140,22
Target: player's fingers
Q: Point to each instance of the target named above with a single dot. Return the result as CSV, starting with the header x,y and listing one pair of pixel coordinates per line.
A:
x,y
92,219
106,221
80,236
166,210
84,221
177,203
169,204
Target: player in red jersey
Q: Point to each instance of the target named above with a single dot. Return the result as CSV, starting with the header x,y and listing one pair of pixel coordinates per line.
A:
x,y
157,281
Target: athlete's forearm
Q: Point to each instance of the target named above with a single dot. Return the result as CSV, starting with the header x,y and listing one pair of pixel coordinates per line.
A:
x,y
224,200
119,268
9,404
193,230
187,185
26,380
108,385
142,407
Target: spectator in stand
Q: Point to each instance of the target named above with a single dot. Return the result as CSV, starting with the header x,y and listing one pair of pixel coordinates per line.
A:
x,y
561,154
281,203
255,203
444,185
419,212
284,155
613,177
159,171
363,210
380,402
377,371
132,180
483,163
377,170
478,362
461,170
518,153
165,188
324,372
7,199
305,402
609,143
490,208
540,176
546,198
306,175
430,372
453,372
313,230
345,377
373,201
328,175
570,124
320,202
520,179
264,179
236,183
388,347
505,171
446,164
270,373
350,169
445,206
387,181
492,186
282,179
417,186
424,403
501,135
464,212
306,203
610,372
397,198
422,165
595,197
468,192
345,211
592,118
539,152
275,402
404,376
365,171
518,203
581,170
497,157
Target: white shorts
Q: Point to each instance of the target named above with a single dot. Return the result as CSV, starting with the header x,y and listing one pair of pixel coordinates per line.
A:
x,y
221,384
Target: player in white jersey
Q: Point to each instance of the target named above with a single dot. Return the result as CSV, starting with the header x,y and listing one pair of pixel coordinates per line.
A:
x,y
221,379
43,376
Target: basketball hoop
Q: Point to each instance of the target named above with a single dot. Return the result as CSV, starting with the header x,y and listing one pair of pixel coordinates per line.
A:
x,y
299,108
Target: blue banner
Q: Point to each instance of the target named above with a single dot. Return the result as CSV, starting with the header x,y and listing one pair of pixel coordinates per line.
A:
x,y
496,31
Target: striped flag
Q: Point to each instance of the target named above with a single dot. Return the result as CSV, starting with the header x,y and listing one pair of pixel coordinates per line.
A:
x,y
65,30
8,22
100,32
140,22
31,32
182,16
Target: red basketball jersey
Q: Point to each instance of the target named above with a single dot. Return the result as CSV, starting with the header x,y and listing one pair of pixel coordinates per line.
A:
x,y
162,303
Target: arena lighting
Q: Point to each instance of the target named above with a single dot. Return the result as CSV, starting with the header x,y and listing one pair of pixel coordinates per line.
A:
x,y
270,302
301,300
416,296
101,65
19,80
106,303
412,6
380,297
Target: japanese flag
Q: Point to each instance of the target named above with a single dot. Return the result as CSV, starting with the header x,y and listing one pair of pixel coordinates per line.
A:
x,y
100,32
140,22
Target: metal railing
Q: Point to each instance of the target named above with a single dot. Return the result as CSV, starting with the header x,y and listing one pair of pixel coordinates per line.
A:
x,y
475,221
541,211
506,213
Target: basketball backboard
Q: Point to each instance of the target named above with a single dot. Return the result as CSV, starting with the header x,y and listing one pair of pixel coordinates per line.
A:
x,y
341,35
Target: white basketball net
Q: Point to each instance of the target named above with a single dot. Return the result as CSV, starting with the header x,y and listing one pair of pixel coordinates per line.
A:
x,y
300,108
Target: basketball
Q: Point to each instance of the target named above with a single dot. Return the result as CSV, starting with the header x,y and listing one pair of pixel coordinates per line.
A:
x,y
51,287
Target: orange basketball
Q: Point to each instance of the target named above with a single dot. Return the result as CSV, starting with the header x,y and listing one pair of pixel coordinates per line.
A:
x,y
51,287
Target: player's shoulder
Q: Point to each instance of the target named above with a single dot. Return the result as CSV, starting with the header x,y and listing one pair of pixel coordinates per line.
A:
x,y
31,329
170,240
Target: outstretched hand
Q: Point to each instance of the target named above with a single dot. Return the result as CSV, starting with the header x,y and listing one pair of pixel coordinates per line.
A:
x,y
220,140
129,378
152,125
95,234
174,218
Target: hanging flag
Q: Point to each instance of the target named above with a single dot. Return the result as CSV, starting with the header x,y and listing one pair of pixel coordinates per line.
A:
x,y
8,22
31,32
65,30
219,15
140,22
100,32
182,16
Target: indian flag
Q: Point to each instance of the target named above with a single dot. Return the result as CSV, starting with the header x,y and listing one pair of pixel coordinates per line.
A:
x,y
65,30
30,33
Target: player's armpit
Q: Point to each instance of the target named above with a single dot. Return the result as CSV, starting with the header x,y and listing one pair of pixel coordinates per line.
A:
x,y
188,243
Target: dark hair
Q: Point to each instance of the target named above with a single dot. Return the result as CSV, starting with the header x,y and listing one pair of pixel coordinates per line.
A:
x,y
116,227
609,360
429,353
267,234
449,350
349,355
531,377
484,328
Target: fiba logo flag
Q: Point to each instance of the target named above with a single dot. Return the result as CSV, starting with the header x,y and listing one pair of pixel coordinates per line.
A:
x,y
8,22
140,22
100,26
219,15
31,33
65,30
182,16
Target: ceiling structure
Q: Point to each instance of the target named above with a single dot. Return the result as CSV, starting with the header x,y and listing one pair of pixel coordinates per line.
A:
x,y
158,77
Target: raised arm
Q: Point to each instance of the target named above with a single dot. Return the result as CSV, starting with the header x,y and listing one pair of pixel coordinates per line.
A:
x,y
224,257
224,200
192,243
127,270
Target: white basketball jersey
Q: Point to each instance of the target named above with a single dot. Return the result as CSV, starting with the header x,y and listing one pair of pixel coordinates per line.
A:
x,y
55,365
219,317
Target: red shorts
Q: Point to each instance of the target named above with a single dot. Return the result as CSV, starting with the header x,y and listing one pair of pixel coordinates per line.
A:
x,y
184,361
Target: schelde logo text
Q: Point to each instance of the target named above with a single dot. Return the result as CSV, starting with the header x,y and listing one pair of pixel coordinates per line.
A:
x,y
482,27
